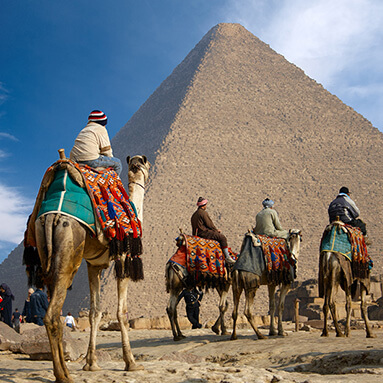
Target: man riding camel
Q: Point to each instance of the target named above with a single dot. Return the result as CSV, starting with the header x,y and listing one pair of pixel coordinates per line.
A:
x,y
92,145
203,226
267,221
347,211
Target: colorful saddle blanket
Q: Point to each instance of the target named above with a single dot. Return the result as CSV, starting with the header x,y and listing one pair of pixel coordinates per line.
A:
x,y
348,241
84,194
278,259
203,259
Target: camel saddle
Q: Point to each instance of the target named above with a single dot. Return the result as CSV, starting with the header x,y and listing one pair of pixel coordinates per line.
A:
x,y
348,241
97,199
203,261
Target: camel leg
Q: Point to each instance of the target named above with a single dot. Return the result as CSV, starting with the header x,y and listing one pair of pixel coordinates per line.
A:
x,y
122,311
348,311
333,309
363,309
172,314
94,273
249,296
223,305
54,329
237,291
283,292
271,289
61,256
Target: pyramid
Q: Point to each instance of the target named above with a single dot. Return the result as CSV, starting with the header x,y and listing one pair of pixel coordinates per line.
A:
x,y
235,122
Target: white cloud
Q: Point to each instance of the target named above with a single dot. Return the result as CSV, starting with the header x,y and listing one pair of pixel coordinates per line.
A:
x,y
9,136
3,93
14,212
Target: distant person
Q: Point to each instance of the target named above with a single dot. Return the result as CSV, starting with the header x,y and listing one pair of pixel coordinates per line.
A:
x,y
6,304
267,221
16,316
203,226
39,306
192,299
70,322
92,146
347,211
26,314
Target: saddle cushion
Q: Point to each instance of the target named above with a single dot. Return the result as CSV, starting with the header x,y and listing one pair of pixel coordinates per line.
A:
x,y
203,259
348,241
66,197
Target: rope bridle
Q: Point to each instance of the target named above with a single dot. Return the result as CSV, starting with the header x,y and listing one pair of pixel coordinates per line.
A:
x,y
141,169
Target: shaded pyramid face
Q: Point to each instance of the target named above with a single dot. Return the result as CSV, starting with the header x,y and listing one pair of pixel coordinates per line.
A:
x,y
235,123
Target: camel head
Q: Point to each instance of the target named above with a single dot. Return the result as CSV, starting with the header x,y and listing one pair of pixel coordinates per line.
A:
x,y
294,241
138,175
138,169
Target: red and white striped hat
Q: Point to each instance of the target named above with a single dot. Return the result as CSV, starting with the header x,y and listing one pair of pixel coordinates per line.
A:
x,y
98,116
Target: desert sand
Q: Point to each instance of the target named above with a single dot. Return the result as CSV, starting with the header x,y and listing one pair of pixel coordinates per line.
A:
x,y
206,357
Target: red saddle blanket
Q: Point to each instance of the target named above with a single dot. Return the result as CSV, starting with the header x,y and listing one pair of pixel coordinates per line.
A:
x,y
277,256
115,213
203,259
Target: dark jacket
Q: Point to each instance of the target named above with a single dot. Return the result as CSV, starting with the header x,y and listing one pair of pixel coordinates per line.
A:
x,y
201,222
343,207
39,304
191,297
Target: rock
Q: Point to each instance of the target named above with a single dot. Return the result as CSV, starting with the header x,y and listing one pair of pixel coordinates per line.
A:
x,y
83,323
140,323
8,337
112,325
35,343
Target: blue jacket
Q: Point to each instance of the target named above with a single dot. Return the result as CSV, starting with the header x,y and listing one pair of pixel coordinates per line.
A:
x,y
39,304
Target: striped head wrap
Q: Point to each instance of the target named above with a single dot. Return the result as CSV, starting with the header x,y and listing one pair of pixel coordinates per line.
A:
x,y
201,201
98,116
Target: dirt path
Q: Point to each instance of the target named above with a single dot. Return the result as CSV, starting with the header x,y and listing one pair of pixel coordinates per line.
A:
x,y
206,357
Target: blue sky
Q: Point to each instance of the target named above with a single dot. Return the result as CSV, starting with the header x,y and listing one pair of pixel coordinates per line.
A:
x,y
60,60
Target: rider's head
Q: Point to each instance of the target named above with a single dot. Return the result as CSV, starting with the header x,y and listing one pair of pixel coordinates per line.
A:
x,y
344,190
202,202
98,117
267,202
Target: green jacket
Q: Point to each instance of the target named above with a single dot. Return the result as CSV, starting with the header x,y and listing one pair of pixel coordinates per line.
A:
x,y
267,223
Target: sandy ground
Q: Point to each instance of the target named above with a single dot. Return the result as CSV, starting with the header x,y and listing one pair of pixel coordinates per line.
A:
x,y
205,357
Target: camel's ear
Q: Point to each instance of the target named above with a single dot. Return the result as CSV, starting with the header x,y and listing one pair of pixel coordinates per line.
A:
x,y
145,159
128,159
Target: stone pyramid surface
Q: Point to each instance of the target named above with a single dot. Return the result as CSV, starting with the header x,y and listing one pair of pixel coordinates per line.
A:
x,y
235,122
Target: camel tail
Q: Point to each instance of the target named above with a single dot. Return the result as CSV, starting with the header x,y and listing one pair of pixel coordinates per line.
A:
x,y
48,227
168,277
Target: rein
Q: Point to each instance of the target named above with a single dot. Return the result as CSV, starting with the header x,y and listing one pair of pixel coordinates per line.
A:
x,y
136,183
140,168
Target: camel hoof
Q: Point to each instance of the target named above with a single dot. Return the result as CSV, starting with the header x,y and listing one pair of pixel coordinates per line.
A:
x,y
215,329
225,333
283,334
93,367
340,335
233,337
179,337
370,336
273,333
260,336
135,367
324,334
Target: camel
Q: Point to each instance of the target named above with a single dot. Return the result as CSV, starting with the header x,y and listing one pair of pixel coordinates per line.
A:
x,y
62,243
244,280
334,272
175,285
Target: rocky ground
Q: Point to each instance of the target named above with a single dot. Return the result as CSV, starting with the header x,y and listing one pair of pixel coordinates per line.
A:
x,y
205,357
